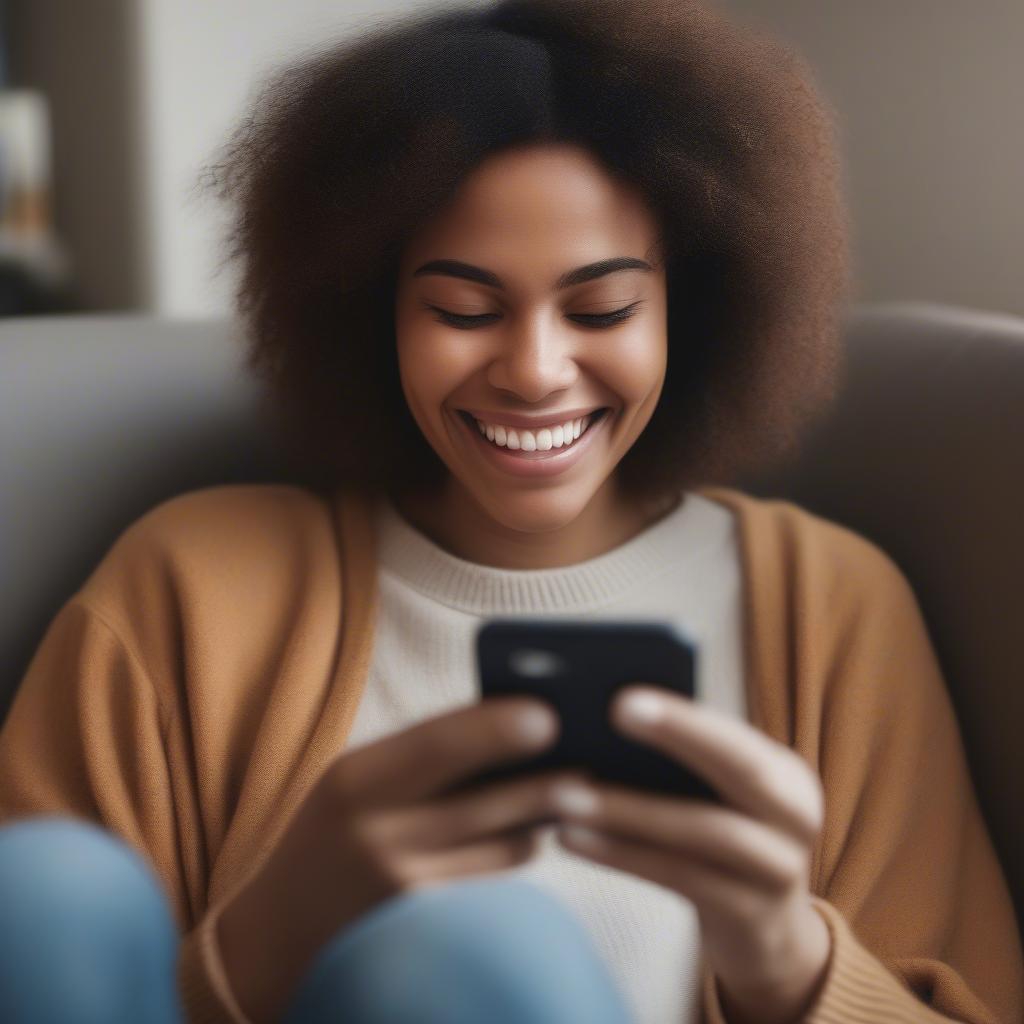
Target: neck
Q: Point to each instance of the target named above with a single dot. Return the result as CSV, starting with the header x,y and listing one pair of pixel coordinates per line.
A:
x,y
456,522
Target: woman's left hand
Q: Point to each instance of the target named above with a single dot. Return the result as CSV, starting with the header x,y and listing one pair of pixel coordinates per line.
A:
x,y
744,866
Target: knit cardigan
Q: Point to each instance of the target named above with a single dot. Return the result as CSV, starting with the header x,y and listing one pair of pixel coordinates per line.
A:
x,y
207,673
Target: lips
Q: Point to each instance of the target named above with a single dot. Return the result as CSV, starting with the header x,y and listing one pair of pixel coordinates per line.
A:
x,y
534,422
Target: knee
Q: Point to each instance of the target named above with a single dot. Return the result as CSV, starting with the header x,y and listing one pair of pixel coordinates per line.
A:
x,y
495,911
52,865
476,916
82,907
500,949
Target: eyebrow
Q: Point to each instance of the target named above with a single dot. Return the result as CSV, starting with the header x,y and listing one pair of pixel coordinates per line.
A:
x,y
456,268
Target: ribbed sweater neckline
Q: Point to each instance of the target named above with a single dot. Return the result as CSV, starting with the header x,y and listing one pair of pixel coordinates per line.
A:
x,y
673,542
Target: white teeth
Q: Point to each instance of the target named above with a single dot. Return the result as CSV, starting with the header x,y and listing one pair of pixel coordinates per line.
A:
x,y
528,441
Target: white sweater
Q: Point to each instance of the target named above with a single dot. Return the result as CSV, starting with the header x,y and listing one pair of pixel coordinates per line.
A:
x,y
685,569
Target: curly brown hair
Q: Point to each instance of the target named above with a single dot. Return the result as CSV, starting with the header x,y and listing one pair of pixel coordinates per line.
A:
x,y
349,150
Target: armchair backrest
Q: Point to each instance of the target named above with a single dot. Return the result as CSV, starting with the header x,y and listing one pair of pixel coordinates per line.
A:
x,y
923,453
101,418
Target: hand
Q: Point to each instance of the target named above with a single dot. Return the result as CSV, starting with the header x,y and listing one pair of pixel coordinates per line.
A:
x,y
744,866
377,823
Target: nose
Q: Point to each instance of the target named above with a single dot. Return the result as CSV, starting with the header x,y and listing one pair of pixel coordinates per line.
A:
x,y
534,359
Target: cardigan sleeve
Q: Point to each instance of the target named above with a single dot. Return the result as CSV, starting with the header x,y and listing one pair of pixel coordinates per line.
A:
x,y
84,737
906,877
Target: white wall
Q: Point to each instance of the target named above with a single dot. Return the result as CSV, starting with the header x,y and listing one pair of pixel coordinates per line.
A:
x,y
930,95
203,60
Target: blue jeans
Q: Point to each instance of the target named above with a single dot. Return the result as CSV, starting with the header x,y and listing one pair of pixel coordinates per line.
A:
x,y
87,937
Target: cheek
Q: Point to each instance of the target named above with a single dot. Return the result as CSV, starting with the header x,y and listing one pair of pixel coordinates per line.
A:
x,y
636,365
431,366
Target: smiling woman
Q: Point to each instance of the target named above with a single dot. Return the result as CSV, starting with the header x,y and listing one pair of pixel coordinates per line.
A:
x,y
522,280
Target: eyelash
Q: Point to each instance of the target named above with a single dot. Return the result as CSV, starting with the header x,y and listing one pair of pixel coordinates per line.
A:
x,y
617,316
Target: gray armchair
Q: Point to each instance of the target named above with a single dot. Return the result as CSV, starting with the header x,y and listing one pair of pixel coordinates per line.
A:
x,y
103,417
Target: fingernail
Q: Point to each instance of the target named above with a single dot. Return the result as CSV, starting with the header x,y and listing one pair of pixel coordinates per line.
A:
x,y
572,799
536,725
642,708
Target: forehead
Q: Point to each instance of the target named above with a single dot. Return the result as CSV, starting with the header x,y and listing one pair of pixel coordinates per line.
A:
x,y
543,202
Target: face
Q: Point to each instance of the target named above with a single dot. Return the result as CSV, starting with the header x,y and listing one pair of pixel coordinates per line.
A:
x,y
536,298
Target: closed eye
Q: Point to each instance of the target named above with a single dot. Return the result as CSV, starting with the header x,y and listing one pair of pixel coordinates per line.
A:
x,y
587,319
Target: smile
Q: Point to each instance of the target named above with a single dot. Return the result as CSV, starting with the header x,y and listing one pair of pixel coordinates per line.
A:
x,y
536,462
535,439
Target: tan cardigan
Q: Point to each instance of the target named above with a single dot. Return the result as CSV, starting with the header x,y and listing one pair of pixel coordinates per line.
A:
x,y
206,674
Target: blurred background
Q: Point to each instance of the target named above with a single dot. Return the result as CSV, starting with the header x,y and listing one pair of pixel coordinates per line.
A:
x,y
110,108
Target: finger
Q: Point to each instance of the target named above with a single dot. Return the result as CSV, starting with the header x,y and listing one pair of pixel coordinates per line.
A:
x,y
718,837
751,771
464,818
434,754
712,891
474,858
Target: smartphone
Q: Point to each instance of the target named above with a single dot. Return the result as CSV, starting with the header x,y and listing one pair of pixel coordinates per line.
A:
x,y
578,667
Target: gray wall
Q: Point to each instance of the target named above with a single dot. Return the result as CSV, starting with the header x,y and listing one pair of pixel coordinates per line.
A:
x,y
84,57
931,99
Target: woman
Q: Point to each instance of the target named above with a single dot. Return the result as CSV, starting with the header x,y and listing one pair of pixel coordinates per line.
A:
x,y
524,281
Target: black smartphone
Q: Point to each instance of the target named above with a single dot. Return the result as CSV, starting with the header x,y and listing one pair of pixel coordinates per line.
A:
x,y
578,667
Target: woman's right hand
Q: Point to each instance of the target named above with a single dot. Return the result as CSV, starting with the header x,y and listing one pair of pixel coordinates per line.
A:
x,y
378,823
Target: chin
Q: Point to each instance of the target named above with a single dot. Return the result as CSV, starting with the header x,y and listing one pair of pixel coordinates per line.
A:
x,y
537,512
